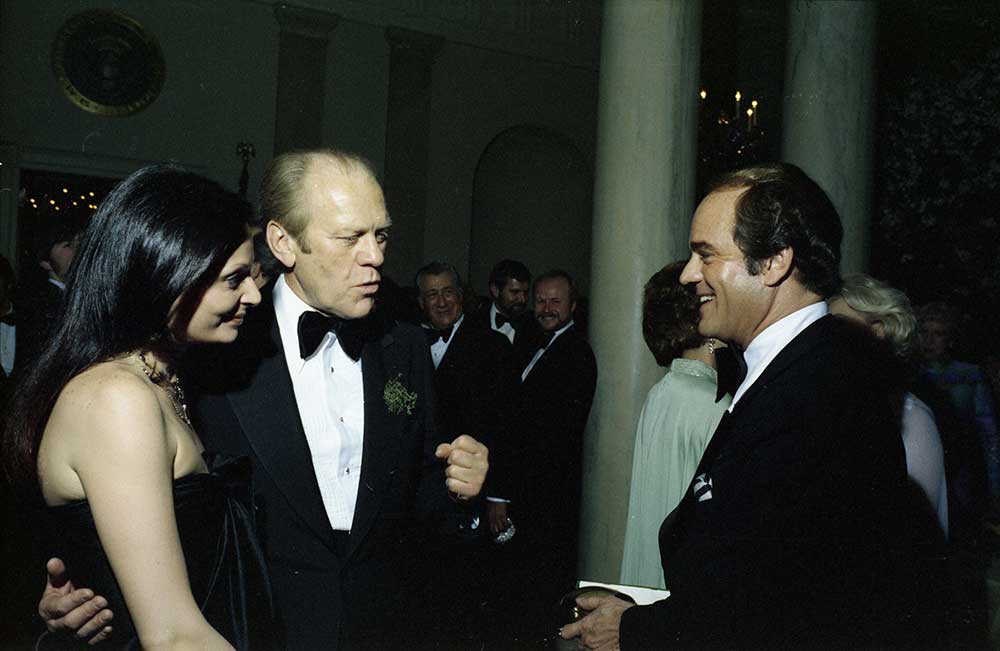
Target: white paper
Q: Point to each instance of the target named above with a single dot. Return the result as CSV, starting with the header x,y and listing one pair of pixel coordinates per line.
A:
x,y
643,596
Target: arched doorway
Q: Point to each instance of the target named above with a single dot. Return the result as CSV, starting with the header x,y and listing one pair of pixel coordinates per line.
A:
x,y
532,201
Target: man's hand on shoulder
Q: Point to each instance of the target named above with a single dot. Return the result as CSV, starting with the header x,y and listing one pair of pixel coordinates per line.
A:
x,y
599,629
70,611
467,465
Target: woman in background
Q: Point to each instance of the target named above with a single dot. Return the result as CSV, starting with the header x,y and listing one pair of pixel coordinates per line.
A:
x,y
677,421
100,424
887,313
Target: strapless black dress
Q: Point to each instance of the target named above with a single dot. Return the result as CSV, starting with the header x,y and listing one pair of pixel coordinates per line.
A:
x,y
225,563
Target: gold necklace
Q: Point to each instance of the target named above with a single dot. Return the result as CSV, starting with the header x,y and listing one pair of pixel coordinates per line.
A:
x,y
170,384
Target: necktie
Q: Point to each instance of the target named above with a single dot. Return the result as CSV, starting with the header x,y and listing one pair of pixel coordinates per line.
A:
x,y
313,326
433,336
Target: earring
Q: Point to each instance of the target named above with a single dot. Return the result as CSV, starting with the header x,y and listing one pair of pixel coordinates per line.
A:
x,y
711,346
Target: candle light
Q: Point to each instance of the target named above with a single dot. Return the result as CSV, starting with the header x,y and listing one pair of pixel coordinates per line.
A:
x,y
738,96
755,112
703,94
749,118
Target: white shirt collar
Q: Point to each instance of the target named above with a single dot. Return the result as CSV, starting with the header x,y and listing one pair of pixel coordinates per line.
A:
x,y
454,326
288,307
766,346
58,283
560,331
440,347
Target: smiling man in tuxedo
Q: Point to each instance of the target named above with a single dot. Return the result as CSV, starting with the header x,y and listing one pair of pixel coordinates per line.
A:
x,y
507,311
333,403
795,531
537,466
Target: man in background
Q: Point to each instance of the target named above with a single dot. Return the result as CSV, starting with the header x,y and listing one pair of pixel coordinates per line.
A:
x,y
537,466
38,302
508,313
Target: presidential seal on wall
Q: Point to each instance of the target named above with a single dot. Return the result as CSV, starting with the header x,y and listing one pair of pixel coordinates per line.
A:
x,y
107,63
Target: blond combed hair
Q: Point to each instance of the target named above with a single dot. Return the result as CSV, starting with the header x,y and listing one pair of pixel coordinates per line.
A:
x,y
877,302
281,187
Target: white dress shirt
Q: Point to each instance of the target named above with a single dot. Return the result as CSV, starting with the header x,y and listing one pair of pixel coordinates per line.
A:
x,y
766,346
541,351
329,392
440,347
506,329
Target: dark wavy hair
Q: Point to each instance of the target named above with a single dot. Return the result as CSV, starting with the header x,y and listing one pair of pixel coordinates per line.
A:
x,y
504,270
669,314
161,235
782,207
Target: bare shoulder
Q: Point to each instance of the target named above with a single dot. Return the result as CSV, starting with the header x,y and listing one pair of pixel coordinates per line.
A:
x,y
108,398
104,417
110,388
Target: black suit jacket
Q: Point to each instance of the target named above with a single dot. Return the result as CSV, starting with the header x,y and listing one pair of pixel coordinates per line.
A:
x,y
325,593
792,532
473,382
538,464
524,326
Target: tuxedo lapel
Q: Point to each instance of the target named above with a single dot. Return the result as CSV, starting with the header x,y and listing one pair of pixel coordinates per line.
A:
x,y
789,355
269,416
377,446
456,349
549,357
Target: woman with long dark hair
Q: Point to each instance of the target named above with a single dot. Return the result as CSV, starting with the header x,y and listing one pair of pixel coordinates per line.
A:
x,y
100,423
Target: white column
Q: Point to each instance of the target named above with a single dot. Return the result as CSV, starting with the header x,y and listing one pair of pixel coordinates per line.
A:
x,y
829,110
643,199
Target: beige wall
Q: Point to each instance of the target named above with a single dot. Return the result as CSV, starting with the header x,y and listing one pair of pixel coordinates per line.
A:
x,y
221,81
219,86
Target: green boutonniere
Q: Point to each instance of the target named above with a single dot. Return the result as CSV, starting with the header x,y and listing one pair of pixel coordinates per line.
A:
x,y
397,398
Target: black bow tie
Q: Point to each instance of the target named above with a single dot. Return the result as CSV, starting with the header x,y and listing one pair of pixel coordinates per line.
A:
x,y
545,338
313,326
501,320
732,370
9,319
434,336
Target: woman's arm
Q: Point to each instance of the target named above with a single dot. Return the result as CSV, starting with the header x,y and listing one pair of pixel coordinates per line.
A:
x,y
123,456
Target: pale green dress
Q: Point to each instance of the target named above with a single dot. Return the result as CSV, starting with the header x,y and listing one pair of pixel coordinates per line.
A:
x,y
677,421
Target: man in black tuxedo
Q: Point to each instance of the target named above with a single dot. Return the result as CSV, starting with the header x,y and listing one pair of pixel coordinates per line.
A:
x,y
38,301
473,378
508,311
334,405
473,369
792,531
535,481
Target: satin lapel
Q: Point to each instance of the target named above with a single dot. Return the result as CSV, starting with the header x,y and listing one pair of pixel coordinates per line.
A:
x,y
269,416
789,355
550,354
456,349
377,443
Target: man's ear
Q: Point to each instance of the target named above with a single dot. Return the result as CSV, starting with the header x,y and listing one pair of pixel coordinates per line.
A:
x,y
779,267
494,291
45,264
282,245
